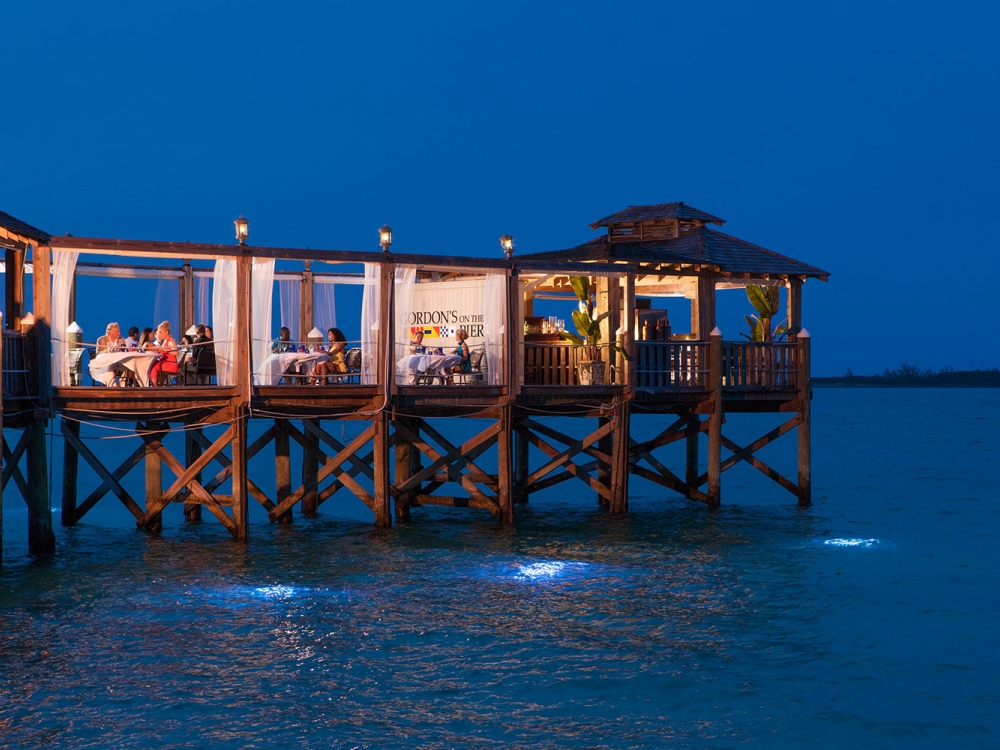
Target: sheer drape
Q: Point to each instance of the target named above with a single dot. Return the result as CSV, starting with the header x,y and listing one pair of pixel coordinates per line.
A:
x,y
403,304
369,323
166,305
289,293
63,268
262,284
324,309
224,319
495,319
201,300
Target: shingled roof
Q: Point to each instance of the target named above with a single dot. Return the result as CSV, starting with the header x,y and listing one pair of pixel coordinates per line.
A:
x,y
698,245
16,226
677,210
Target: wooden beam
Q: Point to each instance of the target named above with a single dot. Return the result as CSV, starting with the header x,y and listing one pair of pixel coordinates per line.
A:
x,y
282,467
715,422
154,484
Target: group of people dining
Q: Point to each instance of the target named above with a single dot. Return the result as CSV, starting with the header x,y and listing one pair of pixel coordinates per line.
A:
x,y
461,350
199,349
323,372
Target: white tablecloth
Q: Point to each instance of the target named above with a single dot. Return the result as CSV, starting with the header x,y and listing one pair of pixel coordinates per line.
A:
x,y
277,365
104,368
433,364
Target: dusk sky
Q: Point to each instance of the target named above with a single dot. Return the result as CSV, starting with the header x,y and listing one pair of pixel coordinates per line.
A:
x,y
858,137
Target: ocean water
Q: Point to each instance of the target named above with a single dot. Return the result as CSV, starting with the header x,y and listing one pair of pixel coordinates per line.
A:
x,y
867,620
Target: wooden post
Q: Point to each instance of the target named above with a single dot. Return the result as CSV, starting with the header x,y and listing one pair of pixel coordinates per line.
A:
x,y
794,306
14,261
72,299
192,451
386,359
242,373
691,436
804,430
71,461
505,468
42,330
187,298
1,428
154,482
405,451
606,445
706,305
283,467
310,472
520,469
383,514
620,459
41,540
715,420
307,298
628,339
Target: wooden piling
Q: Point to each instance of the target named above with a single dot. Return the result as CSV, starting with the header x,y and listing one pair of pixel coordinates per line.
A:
x,y
283,467
71,461
41,539
192,452
520,468
154,482
505,468
715,420
407,464
310,471
382,497
606,445
620,459
692,433
803,341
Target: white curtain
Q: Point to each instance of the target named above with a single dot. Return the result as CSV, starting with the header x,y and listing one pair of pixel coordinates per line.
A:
x,y
324,310
406,277
289,291
63,268
369,324
262,285
495,322
224,319
201,300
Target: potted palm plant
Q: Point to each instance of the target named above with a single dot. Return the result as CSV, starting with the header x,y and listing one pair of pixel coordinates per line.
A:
x,y
590,368
765,301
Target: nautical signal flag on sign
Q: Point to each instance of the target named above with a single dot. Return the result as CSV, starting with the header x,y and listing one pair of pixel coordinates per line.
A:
x,y
439,332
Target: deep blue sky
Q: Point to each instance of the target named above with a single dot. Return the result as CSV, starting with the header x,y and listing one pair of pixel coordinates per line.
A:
x,y
859,137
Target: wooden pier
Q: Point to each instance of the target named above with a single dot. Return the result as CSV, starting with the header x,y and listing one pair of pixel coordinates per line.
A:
x,y
398,457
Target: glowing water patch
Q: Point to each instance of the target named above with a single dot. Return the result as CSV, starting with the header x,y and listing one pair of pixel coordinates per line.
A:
x,y
851,542
543,570
274,592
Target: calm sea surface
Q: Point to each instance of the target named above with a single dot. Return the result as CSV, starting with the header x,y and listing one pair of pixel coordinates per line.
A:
x,y
868,620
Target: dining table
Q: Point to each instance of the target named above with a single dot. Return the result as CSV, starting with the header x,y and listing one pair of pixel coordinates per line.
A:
x,y
412,366
279,364
108,367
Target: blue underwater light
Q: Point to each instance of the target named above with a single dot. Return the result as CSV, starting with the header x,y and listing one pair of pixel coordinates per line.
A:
x,y
851,542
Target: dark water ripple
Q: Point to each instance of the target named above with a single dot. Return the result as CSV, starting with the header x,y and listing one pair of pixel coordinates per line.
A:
x,y
867,620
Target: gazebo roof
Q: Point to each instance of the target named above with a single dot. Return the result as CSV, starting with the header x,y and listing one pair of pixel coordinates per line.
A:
x,y
678,210
697,245
16,226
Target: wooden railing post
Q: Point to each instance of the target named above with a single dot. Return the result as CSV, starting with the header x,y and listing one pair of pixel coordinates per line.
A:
x,y
715,420
804,429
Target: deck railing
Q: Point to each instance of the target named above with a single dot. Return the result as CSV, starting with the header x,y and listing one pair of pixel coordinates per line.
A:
x,y
759,365
15,373
550,364
671,365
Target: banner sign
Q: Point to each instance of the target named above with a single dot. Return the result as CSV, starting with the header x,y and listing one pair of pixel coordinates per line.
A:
x,y
442,307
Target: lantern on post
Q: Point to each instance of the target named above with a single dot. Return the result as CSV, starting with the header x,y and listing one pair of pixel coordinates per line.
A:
x,y
385,238
507,243
242,229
